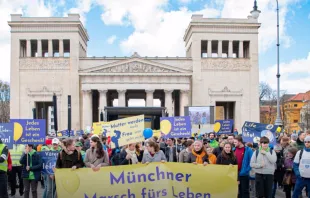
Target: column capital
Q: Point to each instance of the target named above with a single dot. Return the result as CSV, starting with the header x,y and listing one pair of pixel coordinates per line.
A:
x,y
121,91
102,91
86,91
168,91
149,91
185,91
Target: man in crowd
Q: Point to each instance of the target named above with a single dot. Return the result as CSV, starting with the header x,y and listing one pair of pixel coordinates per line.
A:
x,y
170,150
243,155
213,143
16,154
299,144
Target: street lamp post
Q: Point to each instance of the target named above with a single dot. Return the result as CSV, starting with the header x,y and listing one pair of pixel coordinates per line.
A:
x,y
278,119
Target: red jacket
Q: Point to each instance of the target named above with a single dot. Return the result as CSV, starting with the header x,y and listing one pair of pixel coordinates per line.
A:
x,y
9,162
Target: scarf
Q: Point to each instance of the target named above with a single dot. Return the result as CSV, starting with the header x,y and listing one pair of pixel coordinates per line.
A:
x,y
199,157
134,158
267,150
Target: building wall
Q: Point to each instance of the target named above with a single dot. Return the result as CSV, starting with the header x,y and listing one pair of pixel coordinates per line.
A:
x,y
292,115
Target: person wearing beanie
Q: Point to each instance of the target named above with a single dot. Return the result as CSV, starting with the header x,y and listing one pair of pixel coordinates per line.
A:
x,y
47,146
302,169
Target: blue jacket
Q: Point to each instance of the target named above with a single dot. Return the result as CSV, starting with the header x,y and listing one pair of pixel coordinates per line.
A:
x,y
246,168
36,167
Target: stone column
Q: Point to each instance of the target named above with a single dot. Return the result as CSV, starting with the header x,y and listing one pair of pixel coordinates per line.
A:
x,y
209,48
87,108
121,98
28,46
230,49
219,49
39,46
61,48
184,101
240,49
168,102
50,48
102,101
149,97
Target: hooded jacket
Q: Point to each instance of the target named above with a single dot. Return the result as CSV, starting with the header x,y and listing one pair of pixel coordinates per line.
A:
x,y
35,163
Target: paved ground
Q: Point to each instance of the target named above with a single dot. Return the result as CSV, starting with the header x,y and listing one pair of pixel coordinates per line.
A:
x,y
280,194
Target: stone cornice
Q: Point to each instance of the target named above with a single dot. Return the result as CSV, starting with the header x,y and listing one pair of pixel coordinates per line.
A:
x,y
135,74
43,92
226,64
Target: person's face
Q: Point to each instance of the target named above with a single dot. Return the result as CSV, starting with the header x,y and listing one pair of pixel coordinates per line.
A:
x,y
307,144
71,147
290,155
93,144
211,136
132,147
302,136
197,146
227,148
230,139
150,149
236,143
78,148
222,144
170,142
264,145
55,146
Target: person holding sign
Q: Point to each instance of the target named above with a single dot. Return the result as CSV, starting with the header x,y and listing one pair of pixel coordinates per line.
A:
x,y
199,154
96,157
153,153
32,166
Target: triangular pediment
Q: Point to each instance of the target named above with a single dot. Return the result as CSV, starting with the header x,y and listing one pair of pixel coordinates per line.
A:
x,y
134,65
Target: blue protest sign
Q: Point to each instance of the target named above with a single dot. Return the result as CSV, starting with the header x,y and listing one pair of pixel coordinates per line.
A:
x,y
223,126
49,159
65,133
79,132
6,134
176,127
252,132
29,131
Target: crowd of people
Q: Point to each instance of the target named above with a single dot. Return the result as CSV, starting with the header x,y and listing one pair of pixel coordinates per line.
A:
x,y
262,167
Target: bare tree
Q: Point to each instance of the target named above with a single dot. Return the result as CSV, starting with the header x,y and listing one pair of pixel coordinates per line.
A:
x,y
4,102
264,91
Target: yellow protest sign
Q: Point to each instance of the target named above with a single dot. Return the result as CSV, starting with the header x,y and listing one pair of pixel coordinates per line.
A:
x,y
157,133
126,131
153,180
97,128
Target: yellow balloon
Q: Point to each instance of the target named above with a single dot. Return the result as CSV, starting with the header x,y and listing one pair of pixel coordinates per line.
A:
x,y
279,129
165,126
217,127
59,134
71,182
18,131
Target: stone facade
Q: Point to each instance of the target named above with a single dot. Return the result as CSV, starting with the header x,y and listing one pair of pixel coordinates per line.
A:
x,y
49,56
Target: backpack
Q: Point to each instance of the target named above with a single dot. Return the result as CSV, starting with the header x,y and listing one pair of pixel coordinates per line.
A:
x,y
300,154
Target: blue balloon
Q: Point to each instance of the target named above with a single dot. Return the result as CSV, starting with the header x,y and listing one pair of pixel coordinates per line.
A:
x,y
147,133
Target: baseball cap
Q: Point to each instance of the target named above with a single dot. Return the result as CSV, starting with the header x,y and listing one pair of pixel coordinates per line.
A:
x,y
55,141
78,144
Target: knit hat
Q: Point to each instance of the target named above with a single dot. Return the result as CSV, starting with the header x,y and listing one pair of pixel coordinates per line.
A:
x,y
48,142
307,139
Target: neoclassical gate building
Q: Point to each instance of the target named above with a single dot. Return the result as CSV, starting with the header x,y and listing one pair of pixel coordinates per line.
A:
x,y
48,56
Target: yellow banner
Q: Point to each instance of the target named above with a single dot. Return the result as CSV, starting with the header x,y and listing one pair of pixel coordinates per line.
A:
x,y
145,181
126,131
157,133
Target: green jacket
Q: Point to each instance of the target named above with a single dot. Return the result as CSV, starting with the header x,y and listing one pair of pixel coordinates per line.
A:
x,y
214,144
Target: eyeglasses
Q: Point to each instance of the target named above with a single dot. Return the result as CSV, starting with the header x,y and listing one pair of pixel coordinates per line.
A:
x,y
307,141
264,142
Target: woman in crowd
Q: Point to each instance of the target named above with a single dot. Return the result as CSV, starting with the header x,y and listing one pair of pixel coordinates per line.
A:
x,y
129,155
289,176
198,155
218,150
211,156
263,162
95,156
139,152
227,157
69,157
183,156
78,147
153,154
